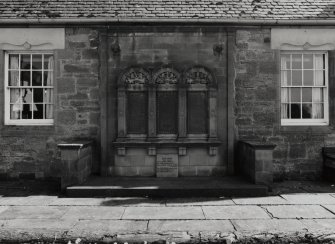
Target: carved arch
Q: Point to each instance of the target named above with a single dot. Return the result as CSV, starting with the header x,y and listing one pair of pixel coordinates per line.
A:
x,y
166,78
135,78
199,76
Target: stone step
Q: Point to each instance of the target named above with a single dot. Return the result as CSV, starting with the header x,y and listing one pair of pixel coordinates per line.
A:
x,y
166,187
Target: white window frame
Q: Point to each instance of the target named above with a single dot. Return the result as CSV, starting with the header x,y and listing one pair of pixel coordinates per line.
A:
x,y
24,122
308,122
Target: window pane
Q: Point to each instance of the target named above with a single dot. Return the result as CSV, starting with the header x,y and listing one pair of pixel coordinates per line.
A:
x,y
38,95
285,95
14,61
167,109
308,61
27,111
296,61
48,62
317,94
197,108
48,111
296,77
307,95
308,77
13,78
27,95
295,111
137,112
38,111
15,96
48,96
286,78
25,78
285,61
295,95
25,61
37,61
285,112
37,78
319,61
15,111
319,78
48,78
307,111
318,111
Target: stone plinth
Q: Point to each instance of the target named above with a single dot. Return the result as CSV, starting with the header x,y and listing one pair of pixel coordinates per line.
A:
x,y
256,161
76,159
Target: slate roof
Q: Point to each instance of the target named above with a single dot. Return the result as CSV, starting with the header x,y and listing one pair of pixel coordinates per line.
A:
x,y
172,9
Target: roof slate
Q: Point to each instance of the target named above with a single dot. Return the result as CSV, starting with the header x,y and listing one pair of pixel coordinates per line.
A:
x,y
172,9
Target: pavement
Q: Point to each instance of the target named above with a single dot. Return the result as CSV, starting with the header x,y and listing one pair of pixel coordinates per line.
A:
x,y
295,212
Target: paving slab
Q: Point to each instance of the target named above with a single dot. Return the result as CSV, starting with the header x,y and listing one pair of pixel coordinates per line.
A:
x,y
93,212
191,226
299,211
85,228
163,213
331,208
235,212
40,224
77,202
199,202
270,226
319,225
13,201
270,200
33,212
309,198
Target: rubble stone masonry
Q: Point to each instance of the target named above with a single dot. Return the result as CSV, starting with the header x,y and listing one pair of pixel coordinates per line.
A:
x,y
31,151
298,152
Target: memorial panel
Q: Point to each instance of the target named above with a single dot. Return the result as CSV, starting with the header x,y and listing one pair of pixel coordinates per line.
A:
x,y
137,112
167,110
197,112
167,165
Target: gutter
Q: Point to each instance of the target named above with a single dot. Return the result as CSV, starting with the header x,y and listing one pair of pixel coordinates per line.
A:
x,y
266,22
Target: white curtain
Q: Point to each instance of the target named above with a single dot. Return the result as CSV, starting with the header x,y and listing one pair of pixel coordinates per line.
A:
x,y
284,82
49,92
284,103
317,110
15,97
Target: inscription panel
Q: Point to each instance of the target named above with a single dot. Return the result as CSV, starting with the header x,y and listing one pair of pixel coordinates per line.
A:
x,y
167,165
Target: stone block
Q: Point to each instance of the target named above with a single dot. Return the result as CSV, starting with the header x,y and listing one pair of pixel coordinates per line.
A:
x,y
204,170
65,85
66,117
297,151
147,171
77,68
187,171
89,82
94,118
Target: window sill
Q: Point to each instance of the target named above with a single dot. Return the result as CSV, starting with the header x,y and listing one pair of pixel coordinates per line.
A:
x,y
165,142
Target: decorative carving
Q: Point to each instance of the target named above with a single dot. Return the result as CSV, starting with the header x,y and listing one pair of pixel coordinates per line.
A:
x,y
166,76
307,46
198,75
135,79
26,45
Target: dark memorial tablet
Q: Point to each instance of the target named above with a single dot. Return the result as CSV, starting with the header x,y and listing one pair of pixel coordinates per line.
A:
x,y
137,112
197,112
167,109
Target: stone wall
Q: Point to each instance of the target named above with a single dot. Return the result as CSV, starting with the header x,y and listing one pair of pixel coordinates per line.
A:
x,y
181,48
31,151
257,110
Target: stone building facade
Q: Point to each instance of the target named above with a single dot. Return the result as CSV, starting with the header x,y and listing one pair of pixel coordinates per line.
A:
x,y
147,87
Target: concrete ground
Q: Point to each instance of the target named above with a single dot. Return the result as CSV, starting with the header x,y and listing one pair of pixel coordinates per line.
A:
x,y
298,212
